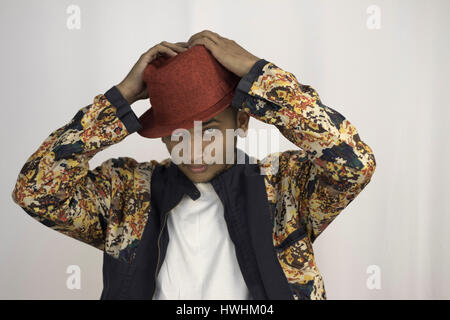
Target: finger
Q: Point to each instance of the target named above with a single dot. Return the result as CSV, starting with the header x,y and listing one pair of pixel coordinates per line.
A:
x,y
208,43
182,44
200,36
215,36
159,50
205,33
173,46
150,53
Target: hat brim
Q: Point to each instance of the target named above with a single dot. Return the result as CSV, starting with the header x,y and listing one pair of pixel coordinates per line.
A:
x,y
151,128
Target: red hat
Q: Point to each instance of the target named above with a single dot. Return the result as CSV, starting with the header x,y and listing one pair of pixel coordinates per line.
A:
x,y
190,86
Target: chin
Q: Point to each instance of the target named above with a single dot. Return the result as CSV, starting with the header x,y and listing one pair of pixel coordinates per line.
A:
x,y
208,175
201,180
198,178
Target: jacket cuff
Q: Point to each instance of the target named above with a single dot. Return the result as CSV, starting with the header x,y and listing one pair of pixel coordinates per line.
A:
x,y
245,84
123,110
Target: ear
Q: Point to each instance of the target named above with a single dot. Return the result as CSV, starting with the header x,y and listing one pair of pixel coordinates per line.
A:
x,y
242,119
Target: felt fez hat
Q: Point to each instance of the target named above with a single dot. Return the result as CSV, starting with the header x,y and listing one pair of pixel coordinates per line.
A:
x,y
190,86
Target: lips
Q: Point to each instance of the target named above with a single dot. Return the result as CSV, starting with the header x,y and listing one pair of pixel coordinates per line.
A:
x,y
197,168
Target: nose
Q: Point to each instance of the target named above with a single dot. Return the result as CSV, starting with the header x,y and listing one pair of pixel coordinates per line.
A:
x,y
196,145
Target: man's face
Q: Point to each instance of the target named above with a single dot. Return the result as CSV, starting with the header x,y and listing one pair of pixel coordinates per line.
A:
x,y
214,128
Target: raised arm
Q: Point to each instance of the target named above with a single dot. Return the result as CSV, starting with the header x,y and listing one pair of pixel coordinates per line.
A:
x,y
55,185
332,166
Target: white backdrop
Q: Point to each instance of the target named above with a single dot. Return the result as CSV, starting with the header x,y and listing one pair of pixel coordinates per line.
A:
x,y
391,82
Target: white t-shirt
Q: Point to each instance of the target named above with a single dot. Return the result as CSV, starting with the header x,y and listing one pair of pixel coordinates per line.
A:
x,y
200,261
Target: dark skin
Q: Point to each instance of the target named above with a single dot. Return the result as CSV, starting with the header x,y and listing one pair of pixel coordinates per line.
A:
x,y
228,53
227,119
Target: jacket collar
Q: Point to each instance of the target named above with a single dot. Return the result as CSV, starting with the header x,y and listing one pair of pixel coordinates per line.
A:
x,y
180,184
242,190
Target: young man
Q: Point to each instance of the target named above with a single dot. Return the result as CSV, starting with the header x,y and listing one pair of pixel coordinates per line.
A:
x,y
234,232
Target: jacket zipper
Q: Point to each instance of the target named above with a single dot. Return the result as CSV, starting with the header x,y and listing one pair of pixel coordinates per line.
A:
x,y
166,215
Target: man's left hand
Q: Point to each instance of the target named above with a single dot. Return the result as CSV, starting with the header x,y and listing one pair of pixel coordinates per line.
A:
x,y
231,55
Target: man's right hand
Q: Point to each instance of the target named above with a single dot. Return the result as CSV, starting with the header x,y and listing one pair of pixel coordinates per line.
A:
x,y
133,87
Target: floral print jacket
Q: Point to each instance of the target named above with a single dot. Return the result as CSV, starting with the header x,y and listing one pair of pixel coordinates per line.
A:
x,y
108,207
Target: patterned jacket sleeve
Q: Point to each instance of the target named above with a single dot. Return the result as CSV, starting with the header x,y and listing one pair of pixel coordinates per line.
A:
x,y
55,185
333,165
